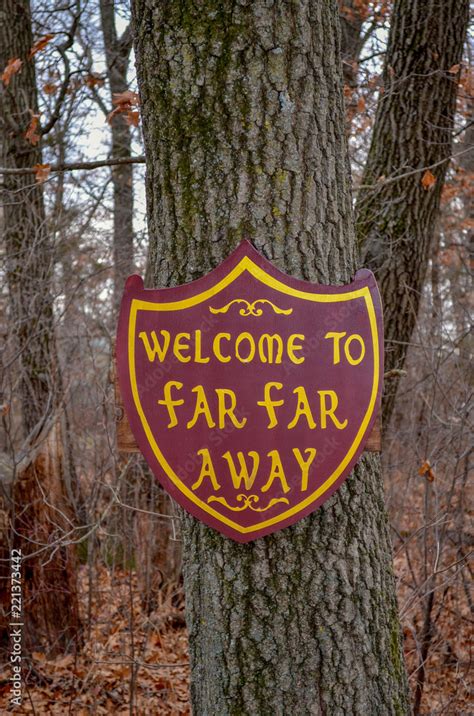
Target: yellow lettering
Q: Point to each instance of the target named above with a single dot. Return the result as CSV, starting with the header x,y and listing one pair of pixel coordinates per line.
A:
x,y
198,352
169,402
360,340
222,394
336,345
276,472
243,475
266,348
270,404
329,412
302,408
216,347
179,347
304,464
201,408
245,337
156,350
207,470
291,347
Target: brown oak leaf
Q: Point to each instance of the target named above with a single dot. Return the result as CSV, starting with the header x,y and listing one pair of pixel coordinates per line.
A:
x,y
124,103
428,180
31,135
132,118
12,68
42,172
40,44
427,471
49,88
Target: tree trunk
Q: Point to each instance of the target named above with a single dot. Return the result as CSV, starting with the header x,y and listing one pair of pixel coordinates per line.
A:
x,y
117,53
459,280
396,217
50,577
160,561
352,14
244,133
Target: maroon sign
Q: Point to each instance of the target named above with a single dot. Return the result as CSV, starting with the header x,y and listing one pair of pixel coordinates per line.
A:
x,y
251,394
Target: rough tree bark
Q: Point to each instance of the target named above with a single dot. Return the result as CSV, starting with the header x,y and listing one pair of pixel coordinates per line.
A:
x,y
244,130
396,217
50,611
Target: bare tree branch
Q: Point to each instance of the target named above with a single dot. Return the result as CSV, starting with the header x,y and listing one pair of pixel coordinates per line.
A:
x,y
74,166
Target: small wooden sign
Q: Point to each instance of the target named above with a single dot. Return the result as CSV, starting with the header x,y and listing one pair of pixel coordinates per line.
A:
x,y
251,394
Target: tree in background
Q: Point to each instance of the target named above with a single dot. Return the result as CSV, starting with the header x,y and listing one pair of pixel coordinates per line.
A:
x,y
244,134
42,482
399,198
360,20
117,54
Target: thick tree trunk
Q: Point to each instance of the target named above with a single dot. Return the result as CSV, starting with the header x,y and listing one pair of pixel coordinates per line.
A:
x,y
244,131
50,577
117,53
396,218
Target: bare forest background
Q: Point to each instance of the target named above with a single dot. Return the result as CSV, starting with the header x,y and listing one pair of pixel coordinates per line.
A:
x,y
103,601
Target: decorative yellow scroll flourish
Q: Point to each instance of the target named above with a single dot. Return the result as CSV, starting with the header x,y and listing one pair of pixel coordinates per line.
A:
x,y
248,501
250,309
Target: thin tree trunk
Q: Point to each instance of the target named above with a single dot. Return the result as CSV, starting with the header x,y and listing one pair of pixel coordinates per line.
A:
x,y
45,475
413,131
160,560
244,132
352,14
461,289
117,53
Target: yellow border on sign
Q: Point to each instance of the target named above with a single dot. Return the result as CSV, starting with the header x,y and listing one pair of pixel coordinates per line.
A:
x,y
246,264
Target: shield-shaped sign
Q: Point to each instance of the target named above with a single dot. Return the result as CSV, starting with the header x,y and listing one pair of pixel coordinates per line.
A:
x,y
250,393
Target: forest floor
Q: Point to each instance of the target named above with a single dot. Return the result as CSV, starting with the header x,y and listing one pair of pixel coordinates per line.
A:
x,y
132,657
100,679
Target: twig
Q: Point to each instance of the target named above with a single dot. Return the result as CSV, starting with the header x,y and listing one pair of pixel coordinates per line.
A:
x,y
73,166
390,180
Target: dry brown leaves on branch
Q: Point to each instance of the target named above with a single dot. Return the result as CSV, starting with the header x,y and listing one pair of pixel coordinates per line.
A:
x,y
124,103
12,68
361,105
14,64
40,44
94,80
133,118
31,135
42,172
49,88
427,471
